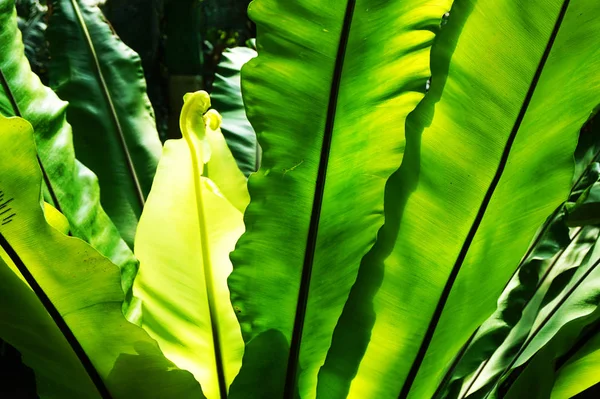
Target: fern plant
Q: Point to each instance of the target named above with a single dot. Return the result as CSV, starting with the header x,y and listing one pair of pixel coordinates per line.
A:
x,y
413,225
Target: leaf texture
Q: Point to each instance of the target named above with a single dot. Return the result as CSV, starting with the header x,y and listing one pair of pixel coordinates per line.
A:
x,y
549,264
564,303
328,96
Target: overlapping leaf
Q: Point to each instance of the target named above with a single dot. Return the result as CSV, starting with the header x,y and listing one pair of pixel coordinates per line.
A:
x,y
63,299
553,258
488,157
581,369
73,189
227,98
562,305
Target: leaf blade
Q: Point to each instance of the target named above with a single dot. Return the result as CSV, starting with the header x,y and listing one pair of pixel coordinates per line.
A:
x,y
287,92
111,115
184,261
447,170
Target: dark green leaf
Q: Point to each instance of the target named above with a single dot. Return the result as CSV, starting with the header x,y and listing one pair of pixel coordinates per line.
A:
x,y
113,122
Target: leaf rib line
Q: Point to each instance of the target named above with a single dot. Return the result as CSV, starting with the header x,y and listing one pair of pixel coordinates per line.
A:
x,y
579,344
57,318
9,94
311,242
455,363
17,111
482,209
460,355
107,95
532,247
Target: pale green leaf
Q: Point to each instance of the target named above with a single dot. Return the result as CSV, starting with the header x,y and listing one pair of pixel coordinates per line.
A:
x,y
187,230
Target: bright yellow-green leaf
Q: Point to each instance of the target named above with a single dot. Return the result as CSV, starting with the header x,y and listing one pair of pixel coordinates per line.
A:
x,y
28,327
68,325
56,219
69,185
580,373
188,228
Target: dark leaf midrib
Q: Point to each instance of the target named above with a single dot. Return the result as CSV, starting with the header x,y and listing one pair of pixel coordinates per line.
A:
x,y
533,246
57,318
311,243
141,198
457,359
579,344
481,212
17,112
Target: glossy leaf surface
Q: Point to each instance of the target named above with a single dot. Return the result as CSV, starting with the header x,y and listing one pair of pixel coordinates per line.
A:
x,y
549,309
565,302
184,258
226,97
571,330
70,329
113,122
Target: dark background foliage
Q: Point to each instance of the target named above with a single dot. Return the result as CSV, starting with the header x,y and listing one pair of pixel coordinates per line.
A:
x,y
180,43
